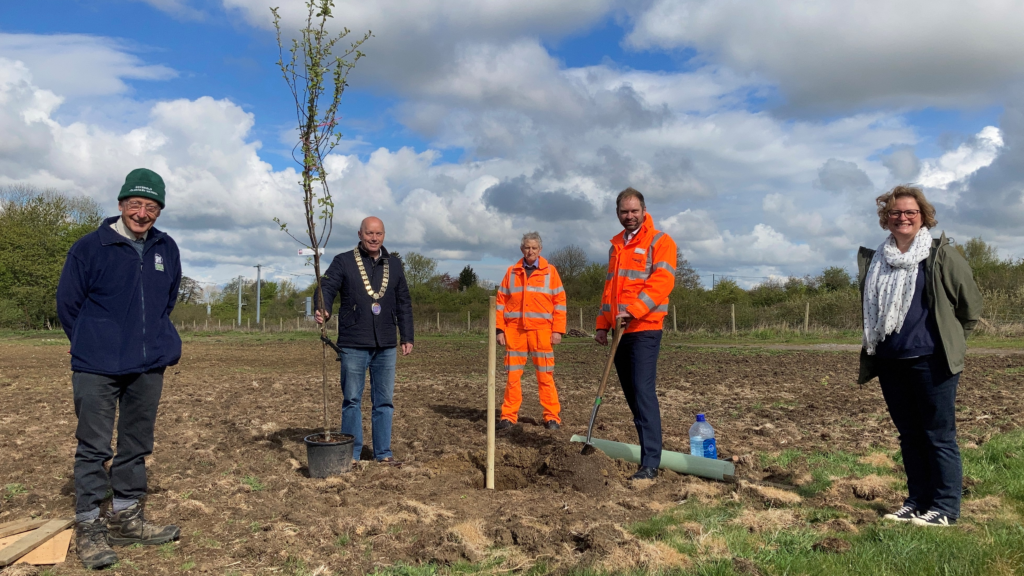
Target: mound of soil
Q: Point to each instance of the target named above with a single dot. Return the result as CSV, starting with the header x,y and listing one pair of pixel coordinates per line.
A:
x,y
591,475
549,460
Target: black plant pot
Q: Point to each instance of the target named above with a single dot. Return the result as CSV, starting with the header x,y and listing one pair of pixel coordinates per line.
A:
x,y
328,458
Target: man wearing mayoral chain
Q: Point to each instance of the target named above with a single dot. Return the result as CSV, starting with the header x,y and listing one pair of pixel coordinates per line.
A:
x,y
374,301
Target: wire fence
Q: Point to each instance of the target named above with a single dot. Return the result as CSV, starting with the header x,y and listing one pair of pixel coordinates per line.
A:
x,y
839,312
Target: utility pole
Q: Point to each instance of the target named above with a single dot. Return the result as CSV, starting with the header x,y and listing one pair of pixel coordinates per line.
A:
x,y
239,301
257,267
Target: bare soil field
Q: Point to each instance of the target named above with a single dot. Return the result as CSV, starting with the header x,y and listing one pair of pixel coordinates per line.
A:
x,y
229,463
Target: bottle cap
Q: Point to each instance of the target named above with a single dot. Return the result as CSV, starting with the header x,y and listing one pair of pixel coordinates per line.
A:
x,y
700,418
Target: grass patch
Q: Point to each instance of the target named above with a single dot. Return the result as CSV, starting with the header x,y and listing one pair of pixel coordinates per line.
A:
x,y
13,490
823,467
253,483
998,467
167,550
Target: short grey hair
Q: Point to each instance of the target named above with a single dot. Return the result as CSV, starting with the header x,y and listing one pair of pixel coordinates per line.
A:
x,y
532,236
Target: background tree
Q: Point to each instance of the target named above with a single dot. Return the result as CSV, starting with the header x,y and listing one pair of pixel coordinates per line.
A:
x,y
419,269
570,261
834,278
317,79
467,278
686,276
37,228
190,291
978,253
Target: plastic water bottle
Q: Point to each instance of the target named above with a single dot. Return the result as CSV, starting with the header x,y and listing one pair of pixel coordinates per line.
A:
x,y
702,439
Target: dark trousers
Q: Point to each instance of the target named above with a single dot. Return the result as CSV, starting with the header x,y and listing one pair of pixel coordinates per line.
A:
x,y
921,396
97,399
636,361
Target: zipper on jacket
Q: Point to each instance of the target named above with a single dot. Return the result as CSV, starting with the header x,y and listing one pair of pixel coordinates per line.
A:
x,y
142,299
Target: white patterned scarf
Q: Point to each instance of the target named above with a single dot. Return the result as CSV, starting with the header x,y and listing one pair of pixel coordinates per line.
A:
x,y
889,287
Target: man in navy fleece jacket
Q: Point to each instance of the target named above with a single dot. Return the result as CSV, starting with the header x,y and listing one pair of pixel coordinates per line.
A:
x,y
114,299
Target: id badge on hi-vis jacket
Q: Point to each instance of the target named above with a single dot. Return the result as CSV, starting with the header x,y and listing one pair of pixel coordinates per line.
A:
x,y
159,260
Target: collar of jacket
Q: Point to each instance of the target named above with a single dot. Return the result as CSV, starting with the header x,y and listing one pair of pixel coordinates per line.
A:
x,y
362,251
864,256
110,236
645,231
542,264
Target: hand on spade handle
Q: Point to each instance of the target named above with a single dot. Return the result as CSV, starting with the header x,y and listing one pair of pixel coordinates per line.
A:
x,y
601,336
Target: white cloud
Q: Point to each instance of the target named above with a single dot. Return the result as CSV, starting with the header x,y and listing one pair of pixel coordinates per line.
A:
x,y
416,43
178,8
734,186
78,65
850,54
958,164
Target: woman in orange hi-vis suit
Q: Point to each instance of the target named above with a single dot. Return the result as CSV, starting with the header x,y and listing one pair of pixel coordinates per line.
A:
x,y
530,321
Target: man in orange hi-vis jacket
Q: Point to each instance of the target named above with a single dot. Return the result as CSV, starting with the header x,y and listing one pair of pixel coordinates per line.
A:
x,y
530,321
641,275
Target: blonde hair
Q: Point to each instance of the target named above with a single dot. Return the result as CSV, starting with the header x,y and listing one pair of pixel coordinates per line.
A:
x,y
887,202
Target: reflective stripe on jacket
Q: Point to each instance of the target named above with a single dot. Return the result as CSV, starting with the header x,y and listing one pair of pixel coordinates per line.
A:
x,y
640,278
535,303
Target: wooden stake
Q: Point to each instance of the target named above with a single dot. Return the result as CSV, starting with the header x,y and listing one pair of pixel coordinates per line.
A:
x,y
733,306
468,314
31,541
281,327
492,335
439,322
807,316
675,326
581,318
247,326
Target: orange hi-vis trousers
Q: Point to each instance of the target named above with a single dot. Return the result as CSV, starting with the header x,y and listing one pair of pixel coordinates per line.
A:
x,y
521,345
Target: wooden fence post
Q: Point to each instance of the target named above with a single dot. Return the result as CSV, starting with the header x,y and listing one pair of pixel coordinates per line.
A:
x,y
807,316
675,326
581,318
248,326
438,322
733,319
491,370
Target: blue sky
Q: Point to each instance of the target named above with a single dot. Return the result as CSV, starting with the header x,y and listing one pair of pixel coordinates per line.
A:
x,y
760,131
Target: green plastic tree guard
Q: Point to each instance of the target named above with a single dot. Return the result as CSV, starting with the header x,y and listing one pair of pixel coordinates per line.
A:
x,y
674,461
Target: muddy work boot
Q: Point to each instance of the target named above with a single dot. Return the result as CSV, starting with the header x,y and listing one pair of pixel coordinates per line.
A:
x,y
129,526
91,544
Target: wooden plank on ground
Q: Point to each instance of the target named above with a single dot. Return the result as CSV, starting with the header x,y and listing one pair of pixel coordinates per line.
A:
x,y
33,540
53,551
19,526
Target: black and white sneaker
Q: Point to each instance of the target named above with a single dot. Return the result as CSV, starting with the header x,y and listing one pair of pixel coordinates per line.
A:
x,y
904,514
934,518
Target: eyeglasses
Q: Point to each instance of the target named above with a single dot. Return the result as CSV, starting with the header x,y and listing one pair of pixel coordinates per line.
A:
x,y
910,214
135,206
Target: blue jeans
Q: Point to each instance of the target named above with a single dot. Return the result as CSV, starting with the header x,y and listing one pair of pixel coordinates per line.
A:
x,y
381,362
636,361
921,396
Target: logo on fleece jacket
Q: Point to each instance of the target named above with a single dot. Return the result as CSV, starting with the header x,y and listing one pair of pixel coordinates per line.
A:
x,y
159,262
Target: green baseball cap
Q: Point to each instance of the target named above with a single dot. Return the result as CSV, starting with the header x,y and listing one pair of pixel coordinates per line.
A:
x,y
143,183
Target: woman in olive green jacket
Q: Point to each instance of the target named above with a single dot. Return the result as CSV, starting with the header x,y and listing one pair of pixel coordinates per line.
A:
x,y
920,303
